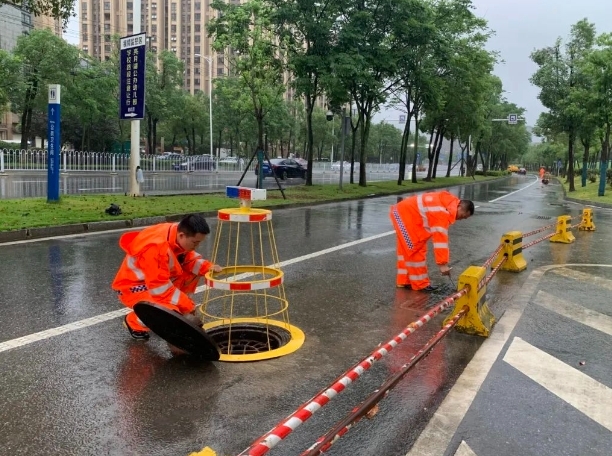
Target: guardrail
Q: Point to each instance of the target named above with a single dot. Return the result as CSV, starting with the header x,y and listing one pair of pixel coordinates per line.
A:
x,y
470,315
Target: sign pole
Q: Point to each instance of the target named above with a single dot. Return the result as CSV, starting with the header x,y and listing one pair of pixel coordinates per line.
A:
x,y
54,141
132,90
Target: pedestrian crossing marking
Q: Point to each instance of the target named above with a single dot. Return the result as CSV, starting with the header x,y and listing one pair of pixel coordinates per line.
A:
x,y
588,317
577,389
584,277
464,450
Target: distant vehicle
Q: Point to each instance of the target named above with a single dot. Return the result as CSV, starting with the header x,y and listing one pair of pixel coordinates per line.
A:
x,y
229,161
513,169
522,171
199,162
346,167
170,156
283,168
302,162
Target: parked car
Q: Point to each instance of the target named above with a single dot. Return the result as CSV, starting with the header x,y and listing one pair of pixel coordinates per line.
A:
x,y
302,162
200,162
170,156
283,168
229,161
522,171
346,167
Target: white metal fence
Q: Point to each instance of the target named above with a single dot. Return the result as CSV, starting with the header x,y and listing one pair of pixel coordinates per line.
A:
x,y
76,161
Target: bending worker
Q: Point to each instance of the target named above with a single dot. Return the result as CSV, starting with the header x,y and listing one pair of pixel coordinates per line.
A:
x,y
161,267
416,219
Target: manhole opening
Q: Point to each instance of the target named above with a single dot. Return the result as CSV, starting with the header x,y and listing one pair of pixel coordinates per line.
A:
x,y
250,338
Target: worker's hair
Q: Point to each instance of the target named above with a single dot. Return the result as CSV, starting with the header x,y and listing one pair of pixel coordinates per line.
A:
x,y
193,224
467,205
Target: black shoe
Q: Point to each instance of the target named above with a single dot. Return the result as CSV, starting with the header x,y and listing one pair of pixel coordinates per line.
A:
x,y
406,286
430,288
138,335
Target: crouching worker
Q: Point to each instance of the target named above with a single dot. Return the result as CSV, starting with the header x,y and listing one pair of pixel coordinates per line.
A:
x,y
417,219
162,267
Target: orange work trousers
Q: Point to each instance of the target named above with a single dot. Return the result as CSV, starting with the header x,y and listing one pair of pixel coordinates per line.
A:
x,y
412,265
186,282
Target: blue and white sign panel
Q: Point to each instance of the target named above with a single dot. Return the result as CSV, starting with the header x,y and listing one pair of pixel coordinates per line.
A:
x,y
513,119
132,57
54,141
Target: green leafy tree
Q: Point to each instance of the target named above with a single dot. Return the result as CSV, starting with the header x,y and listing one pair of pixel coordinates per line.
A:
x,y
45,59
10,68
246,32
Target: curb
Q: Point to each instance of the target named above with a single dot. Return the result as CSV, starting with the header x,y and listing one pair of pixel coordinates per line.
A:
x,y
109,225
584,202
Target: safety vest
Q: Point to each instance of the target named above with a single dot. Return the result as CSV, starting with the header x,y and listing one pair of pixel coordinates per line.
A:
x,y
427,215
154,262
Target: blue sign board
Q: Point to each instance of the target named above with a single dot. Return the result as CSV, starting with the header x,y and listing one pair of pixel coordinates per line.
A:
x,y
132,57
53,135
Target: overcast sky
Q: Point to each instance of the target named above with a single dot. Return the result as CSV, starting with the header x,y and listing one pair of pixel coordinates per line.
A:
x,y
520,27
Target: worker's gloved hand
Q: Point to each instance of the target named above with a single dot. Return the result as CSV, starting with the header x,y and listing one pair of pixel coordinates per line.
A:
x,y
217,268
444,269
193,318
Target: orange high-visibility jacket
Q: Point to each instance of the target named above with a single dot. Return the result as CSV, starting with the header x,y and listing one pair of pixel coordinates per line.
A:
x,y
151,264
427,215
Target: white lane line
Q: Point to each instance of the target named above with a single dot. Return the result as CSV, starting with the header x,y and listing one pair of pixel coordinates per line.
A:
x,y
464,450
584,277
48,333
588,317
434,440
586,394
42,335
516,191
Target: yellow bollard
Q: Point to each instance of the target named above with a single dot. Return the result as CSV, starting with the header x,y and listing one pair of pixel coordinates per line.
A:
x,y
564,230
478,320
586,224
204,452
513,251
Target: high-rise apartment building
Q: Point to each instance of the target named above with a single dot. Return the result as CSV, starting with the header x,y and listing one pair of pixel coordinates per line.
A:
x,y
176,25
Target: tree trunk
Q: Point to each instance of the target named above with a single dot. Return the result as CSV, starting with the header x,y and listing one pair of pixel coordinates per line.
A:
x,y
309,139
570,159
450,155
365,133
430,154
604,162
437,153
416,148
585,162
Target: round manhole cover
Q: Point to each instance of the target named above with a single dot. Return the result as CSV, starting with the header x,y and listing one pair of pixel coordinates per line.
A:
x,y
248,338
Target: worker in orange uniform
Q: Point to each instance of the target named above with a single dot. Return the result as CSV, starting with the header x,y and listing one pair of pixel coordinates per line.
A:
x,y
416,219
542,172
161,267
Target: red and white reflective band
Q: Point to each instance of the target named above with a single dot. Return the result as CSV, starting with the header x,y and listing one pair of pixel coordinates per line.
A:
x,y
244,286
245,217
268,441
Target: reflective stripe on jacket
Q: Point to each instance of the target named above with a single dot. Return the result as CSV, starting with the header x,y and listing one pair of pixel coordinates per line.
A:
x,y
429,215
154,259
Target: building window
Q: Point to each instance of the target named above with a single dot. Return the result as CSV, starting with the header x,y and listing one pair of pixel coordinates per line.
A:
x,y
153,16
107,16
106,6
196,28
173,49
153,5
197,6
173,7
130,5
196,70
219,71
86,48
85,37
84,6
26,18
154,28
196,81
130,27
220,60
107,27
196,49
107,38
196,39
173,17
197,17
84,16
84,28
107,48
173,28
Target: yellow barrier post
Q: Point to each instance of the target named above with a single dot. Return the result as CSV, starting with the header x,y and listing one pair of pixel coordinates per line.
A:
x,y
564,230
478,320
204,452
512,243
586,224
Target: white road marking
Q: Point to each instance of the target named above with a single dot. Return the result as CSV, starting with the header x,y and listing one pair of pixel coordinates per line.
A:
x,y
42,335
584,277
588,317
438,433
577,389
464,450
516,191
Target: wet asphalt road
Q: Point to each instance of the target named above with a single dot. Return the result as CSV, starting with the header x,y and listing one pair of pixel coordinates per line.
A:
x,y
95,391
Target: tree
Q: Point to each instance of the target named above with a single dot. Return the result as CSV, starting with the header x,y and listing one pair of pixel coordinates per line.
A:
x,y
559,77
246,33
307,28
58,9
10,67
45,59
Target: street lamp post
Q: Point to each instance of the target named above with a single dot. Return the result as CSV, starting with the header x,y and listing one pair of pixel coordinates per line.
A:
x,y
330,117
209,60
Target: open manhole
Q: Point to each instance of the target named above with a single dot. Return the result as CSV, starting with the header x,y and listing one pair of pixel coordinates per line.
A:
x,y
248,338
